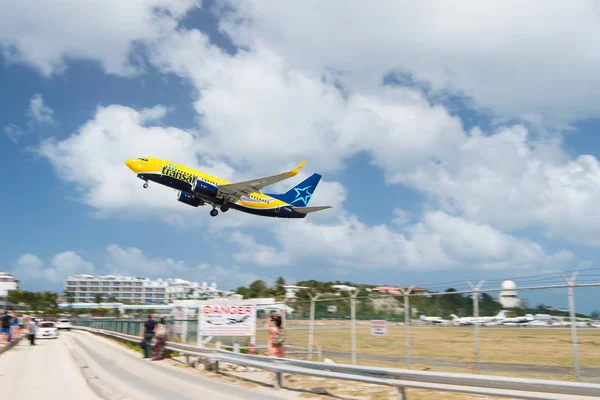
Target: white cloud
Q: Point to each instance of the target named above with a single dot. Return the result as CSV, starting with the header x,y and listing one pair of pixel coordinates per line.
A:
x,y
440,241
32,268
512,182
259,110
39,112
252,252
13,132
264,109
126,261
67,263
93,160
228,278
132,262
47,33
516,59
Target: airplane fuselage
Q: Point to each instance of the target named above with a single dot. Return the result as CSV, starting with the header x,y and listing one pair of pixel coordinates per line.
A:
x,y
185,180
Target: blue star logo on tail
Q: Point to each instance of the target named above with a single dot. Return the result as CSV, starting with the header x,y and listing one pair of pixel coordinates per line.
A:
x,y
302,195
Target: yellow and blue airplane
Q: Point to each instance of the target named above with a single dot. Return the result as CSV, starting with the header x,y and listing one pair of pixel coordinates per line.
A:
x,y
196,188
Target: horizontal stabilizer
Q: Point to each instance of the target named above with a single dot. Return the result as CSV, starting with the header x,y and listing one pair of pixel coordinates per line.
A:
x,y
308,210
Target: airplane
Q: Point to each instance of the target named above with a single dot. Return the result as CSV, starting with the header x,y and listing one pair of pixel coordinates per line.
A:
x,y
518,320
229,321
197,188
433,320
498,318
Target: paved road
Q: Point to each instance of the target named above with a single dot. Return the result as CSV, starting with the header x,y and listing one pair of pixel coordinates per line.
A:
x,y
129,376
45,370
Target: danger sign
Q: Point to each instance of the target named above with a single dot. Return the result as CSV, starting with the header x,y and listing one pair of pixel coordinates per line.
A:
x,y
378,327
227,320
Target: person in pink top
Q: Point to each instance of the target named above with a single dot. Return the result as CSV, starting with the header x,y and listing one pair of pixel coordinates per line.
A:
x,y
276,338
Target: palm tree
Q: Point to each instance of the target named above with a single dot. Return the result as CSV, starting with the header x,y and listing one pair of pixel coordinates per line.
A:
x,y
70,296
98,298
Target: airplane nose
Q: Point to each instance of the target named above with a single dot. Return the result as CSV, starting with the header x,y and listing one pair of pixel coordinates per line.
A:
x,y
129,163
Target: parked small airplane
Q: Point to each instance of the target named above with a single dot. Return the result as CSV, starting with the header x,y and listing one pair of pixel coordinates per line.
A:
x,y
498,318
196,188
518,320
432,320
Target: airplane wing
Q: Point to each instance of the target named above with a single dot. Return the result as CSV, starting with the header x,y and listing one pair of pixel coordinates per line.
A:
x,y
239,189
307,210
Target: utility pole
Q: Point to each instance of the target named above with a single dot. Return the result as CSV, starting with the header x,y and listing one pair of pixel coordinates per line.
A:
x,y
311,326
353,294
406,294
570,282
476,315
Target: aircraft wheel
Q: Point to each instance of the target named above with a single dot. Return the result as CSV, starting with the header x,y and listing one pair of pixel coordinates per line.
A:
x,y
224,208
213,212
146,185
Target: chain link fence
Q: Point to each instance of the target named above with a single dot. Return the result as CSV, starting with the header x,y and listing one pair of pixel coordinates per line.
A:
x,y
551,330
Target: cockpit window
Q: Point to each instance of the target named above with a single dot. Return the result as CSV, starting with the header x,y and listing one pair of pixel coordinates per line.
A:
x,y
143,159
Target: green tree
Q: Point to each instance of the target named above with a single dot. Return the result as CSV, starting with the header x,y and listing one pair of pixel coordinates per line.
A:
x,y
244,291
70,296
455,303
277,289
98,298
595,314
16,296
258,288
48,300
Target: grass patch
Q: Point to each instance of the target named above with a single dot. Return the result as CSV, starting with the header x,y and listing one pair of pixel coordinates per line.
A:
x,y
541,347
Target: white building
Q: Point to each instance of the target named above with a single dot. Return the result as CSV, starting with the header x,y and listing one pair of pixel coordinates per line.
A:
x,y
136,290
342,288
508,296
7,283
291,290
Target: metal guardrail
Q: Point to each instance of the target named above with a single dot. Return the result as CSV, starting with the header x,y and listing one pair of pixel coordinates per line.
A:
x,y
12,344
400,378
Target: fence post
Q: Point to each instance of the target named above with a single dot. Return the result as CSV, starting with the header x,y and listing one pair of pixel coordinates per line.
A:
x,y
406,294
199,337
184,328
570,289
353,294
476,322
311,325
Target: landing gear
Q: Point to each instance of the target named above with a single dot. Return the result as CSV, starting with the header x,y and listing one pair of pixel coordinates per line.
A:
x,y
145,185
214,212
224,207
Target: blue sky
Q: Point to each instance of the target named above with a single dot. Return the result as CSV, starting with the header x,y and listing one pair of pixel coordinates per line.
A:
x,y
444,161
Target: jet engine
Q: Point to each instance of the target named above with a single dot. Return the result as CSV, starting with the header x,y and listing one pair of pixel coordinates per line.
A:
x,y
203,188
189,200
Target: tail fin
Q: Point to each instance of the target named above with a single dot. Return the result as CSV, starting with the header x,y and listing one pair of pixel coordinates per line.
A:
x,y
300,194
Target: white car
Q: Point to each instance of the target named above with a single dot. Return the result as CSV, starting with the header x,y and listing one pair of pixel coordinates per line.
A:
x,y
46,330
64,324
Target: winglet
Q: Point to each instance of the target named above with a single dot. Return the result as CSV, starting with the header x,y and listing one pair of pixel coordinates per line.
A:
x,y
296,170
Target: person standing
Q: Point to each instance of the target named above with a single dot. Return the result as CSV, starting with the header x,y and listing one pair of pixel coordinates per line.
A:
x,y
32,327
161,333
276,338
14,323
149,327
5,330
